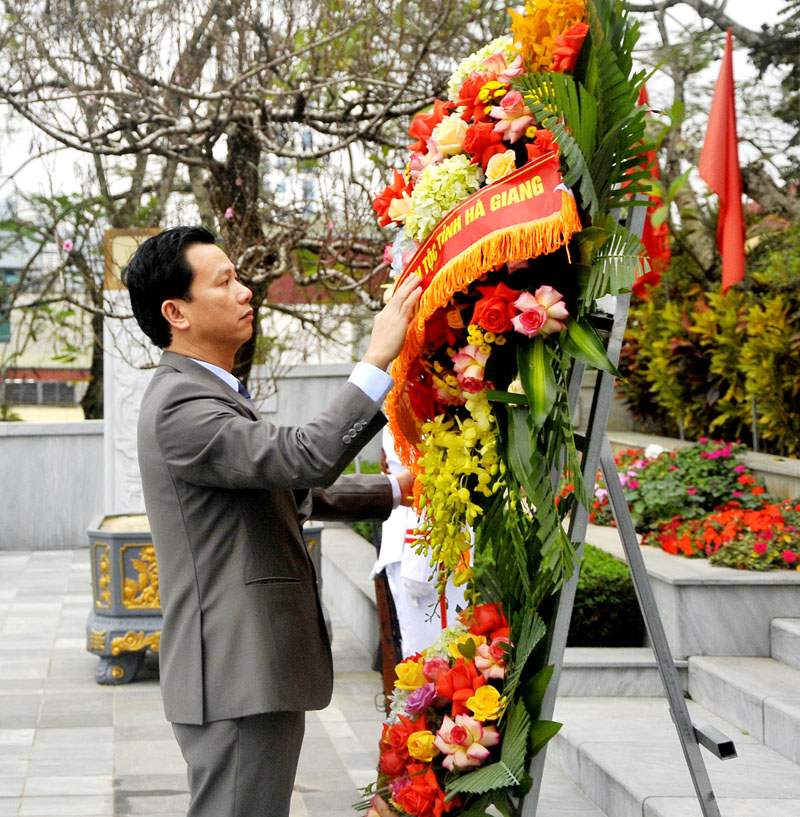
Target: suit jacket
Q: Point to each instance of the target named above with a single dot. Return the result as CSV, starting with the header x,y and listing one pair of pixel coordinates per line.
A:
x,y
226,494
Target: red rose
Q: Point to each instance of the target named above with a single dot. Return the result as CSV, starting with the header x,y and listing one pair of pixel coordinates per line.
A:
x,y
459,684
393,764
475,109
483,142
423,125
543,142
424,796
568,47
396,737
494,311
485,619
384,199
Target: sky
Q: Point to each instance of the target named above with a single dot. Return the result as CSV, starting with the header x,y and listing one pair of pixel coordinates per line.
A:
x,y
60,169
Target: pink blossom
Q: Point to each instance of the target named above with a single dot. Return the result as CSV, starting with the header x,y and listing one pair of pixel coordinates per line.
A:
x,y
633,484
229,213
239,181
420,699
600,493
67,245
379,807
541,313
513,115
760,547
505,72
739,469
398,785
432,668
672,468
490,659
789,557
691,490
388,254
703,440
470,364
465,741
420,161
737,493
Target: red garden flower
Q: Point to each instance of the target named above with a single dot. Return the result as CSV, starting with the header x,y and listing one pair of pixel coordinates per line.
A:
x,y
483,142
496,309
383,201
568,47
423,124
459,684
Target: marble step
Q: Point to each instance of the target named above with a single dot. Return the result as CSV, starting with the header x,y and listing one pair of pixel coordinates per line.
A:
x,y
785,640
761,696
613,671
625,755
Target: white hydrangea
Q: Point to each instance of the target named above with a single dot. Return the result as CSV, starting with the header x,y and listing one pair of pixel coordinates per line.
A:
x,y
439,188
440,647
474,63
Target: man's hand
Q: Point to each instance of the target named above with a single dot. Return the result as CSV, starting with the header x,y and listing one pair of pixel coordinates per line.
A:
x,y
405,479
391,324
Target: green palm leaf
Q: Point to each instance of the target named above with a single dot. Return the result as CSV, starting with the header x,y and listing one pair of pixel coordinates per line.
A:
x,y
510,769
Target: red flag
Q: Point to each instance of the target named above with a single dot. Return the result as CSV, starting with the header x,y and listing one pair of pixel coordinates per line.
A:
x,y
719,167
654,239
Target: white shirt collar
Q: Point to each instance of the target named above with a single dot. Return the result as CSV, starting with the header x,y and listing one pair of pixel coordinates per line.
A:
x,y
222,374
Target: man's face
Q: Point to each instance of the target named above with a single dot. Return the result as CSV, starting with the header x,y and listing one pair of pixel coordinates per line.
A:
x,y
219,311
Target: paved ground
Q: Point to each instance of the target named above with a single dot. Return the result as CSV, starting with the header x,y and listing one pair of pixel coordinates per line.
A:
x,y
72,748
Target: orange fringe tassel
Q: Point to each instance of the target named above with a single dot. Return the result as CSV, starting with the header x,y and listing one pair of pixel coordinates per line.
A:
x,y
529,240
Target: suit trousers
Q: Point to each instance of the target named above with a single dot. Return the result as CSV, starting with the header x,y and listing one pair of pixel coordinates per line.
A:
x,y
243,767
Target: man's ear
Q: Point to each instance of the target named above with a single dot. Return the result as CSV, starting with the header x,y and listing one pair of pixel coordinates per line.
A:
x,y
174,315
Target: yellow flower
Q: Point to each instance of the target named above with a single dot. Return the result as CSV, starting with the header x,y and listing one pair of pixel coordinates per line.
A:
x,y
501,164
449,134
537,30
420,746
486,704
477,640
409,675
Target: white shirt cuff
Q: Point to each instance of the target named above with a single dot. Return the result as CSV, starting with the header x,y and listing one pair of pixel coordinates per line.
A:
x,y
374,382
395,490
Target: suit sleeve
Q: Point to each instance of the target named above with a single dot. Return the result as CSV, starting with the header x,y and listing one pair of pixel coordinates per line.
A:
x,y
352,498
206,440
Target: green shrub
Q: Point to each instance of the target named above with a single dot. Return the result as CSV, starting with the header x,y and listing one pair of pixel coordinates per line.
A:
x,y
606,612
702,363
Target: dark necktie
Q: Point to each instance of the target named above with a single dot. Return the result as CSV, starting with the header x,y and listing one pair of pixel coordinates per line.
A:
x,y
243,391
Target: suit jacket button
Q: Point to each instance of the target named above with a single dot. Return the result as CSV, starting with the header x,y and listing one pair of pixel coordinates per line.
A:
x,y
347,439
359,425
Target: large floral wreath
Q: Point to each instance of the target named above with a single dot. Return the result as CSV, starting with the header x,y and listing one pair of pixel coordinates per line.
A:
x,y
505,209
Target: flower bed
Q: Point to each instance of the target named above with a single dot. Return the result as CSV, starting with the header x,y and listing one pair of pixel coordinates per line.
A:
x,y
702,501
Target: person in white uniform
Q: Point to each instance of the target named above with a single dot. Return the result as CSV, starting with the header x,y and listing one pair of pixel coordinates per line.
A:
x,y
411,584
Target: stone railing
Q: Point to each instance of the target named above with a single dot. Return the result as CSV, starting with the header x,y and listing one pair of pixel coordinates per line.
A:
x,y
51,483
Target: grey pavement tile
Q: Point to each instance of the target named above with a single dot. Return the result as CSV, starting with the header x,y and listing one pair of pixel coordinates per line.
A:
x,y
80,709
148,783
19,710
12,785
67,806
159,802
25,667
146,730
9,806
72,785
331,803
140,757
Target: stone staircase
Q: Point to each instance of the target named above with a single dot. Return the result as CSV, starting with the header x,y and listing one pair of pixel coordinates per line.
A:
x,y
618,743
624,753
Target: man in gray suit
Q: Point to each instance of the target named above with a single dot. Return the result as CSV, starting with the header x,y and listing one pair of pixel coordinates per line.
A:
x,y
244,648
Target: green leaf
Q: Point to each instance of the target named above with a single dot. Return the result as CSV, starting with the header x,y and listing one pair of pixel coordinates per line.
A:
x,y
538,378
533,691
520,448
468,649
509,770
582,342
541,733
530,632
506,397
678,184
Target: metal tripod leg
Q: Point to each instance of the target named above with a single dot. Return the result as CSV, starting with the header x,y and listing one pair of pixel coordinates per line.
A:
x,y
687,734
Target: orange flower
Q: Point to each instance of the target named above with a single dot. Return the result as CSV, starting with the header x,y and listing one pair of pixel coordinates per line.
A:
x,y
383,201
568,47
537,31
459,684
423,797
423,125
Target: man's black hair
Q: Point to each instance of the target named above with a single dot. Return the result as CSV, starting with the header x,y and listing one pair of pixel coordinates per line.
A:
x,y
159,271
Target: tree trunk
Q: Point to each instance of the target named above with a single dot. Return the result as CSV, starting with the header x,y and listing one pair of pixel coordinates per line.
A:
x,y
92,402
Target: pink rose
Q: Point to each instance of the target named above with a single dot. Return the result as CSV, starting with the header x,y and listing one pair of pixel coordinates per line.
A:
x,y
541,312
